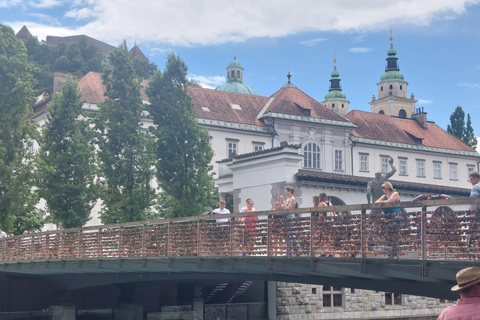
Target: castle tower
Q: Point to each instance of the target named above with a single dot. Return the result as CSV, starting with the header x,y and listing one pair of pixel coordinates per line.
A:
x,y
393,98
335,99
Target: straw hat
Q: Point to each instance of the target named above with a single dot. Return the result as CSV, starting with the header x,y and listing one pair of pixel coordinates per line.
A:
x,y
467,277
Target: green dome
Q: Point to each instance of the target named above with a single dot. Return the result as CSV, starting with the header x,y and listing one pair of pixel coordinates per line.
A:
x,y
392,76
237,87
234,64
335,95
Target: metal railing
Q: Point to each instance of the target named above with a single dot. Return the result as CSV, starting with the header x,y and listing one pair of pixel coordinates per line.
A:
x,y
356,231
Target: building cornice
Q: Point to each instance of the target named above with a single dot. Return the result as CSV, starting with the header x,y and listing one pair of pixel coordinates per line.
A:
x,y
310,119
232,125
414,147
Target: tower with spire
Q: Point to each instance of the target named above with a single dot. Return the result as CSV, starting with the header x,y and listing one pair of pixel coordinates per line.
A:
x,y
335,99
393,98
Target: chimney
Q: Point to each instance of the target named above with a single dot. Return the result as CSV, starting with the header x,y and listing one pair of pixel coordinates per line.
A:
x,y
421,117
58,81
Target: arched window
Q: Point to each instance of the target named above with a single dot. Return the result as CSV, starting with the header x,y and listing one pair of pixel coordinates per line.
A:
x,y
381,112
381,88
338,202
343,106
233,74
238,74
391,87
311,155
402,113
401,87
333,105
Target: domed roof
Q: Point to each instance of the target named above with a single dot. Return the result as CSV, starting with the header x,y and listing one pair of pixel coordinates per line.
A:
x,y
234,64
335,95
237,87
392,76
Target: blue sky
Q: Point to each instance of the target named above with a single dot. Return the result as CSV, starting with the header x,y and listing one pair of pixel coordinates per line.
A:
x,y
437,42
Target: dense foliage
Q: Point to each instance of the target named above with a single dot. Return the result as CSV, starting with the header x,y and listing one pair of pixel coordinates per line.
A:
x,y
125,150
182,146
459,129
17,161
67,157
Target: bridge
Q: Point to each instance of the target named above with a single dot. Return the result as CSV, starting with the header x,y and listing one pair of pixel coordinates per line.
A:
x,y
418,251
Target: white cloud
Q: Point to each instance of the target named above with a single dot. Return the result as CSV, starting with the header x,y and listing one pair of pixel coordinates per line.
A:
x,y
45,3
359,50
80,14
424,101
469,85
9,3
312,42
209,82
160,51
193,22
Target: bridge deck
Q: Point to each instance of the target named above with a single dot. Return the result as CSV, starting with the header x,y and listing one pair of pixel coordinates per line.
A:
x,y
418,251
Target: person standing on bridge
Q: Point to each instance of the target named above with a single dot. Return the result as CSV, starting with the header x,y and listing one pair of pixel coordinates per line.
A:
x,y
392,220
468,306
475,193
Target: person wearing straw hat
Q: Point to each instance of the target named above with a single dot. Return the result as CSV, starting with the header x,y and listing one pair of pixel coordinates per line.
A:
x,y
468,306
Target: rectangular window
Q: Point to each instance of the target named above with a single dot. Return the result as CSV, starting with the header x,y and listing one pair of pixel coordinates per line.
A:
x,y
332,297
258,146
364,162
437,170
385,164
232,147
393,299
402,167
453,171
421,168
338,160
470,169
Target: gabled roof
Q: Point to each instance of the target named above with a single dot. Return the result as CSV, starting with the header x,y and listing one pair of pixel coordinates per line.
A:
x,y
23,34
381,127
227,106
104,47
135,52
293,101
220,106
91,88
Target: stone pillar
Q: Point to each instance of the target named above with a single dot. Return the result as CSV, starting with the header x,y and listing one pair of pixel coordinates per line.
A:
x,y
128,312
198,304
272,300
62,312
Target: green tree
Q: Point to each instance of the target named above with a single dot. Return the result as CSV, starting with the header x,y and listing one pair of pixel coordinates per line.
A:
x,y
144,69
458,129
67,156
125,150
183,149
17,134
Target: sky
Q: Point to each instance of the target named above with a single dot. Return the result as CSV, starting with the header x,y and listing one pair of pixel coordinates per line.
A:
x,y
437,42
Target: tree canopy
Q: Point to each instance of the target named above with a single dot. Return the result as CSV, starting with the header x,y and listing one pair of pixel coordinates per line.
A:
x,y
18,199
182,146
459,129
125,150
67,156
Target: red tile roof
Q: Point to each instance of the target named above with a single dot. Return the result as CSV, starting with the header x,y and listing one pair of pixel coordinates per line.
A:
x,y
91,88
219,105
376,126
291,101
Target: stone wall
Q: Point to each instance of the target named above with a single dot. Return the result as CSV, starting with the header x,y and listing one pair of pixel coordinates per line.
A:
x,y
305,302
